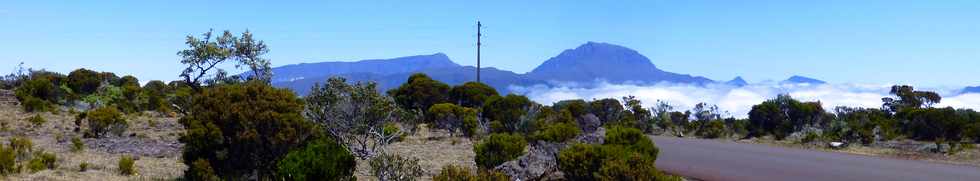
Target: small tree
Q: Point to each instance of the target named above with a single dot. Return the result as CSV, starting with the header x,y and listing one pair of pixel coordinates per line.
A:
x,y
243,129
391,167
453,118
420,92
355,115
508,110
472,94
105,120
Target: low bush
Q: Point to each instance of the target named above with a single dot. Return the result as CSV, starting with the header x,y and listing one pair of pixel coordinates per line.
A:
x,y
33,104
22,146
627,154
37,120
395,168
557,132
322,159
713,129
454,173
105,120
8,160
82,167
201,170
77,144
498,148
127,165
42,161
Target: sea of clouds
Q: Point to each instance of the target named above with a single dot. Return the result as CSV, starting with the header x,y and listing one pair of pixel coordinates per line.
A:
x,y
736,101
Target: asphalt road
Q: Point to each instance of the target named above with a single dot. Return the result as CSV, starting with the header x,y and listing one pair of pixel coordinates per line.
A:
x,y
718,160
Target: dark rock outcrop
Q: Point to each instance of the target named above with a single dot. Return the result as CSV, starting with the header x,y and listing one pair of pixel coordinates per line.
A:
x,y
541,160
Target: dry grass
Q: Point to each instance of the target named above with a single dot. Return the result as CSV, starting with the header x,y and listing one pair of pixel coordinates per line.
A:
x,y
54,136
964,157
434,149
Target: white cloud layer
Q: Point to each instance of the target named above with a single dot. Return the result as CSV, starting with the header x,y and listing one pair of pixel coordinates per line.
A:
x,y
737,101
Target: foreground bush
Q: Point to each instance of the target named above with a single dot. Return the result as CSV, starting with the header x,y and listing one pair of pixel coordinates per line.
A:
x,y
323,159
105,120
41,161
395,168
458,173
627,154
453,118
498,148
242,129
8,160
37,120
126,165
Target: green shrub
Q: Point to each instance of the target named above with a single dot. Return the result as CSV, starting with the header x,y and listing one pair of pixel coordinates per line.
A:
x,y
33,104
498,148
557,132
627,154
714,129
420,92
37,120
84,81
82,167
42,161
77,144
322,159
508,110
395,168
37,94
105,120
126,165
22,146
201,170
243,129
631,167
454,173
471,94
453,118
458,173
8,160
579,161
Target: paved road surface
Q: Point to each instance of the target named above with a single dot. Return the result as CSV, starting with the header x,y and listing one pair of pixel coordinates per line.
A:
x,y
717,160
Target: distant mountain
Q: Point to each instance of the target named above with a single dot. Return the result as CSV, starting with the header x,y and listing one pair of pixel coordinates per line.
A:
x,y
376,66
738,82
612,63
496,78
970,90
796,79
582,65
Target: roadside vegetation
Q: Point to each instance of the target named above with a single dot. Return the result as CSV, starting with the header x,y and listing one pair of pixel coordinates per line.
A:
x,y
240,127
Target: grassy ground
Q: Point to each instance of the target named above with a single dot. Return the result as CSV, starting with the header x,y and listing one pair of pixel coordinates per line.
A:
x,y
150,138
434,149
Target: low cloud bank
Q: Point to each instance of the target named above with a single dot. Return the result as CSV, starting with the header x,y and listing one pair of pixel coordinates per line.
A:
x,y
736,101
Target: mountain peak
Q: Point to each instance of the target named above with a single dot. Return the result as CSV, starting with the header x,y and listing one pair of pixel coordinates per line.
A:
x,y
737,81
796,79
604,61
970,89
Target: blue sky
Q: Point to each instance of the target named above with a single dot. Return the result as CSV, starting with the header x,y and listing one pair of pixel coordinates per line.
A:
x,y
928,43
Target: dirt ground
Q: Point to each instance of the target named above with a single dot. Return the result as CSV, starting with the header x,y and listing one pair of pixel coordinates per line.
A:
x,y
434,149
152,139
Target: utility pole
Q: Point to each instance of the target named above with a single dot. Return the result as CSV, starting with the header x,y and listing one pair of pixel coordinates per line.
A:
x,y
478,25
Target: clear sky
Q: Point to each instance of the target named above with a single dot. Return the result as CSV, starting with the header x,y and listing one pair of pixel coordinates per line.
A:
x,y
929,43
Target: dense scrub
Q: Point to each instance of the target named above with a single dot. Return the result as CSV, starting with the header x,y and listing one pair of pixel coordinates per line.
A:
x,y
498,148
243,129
